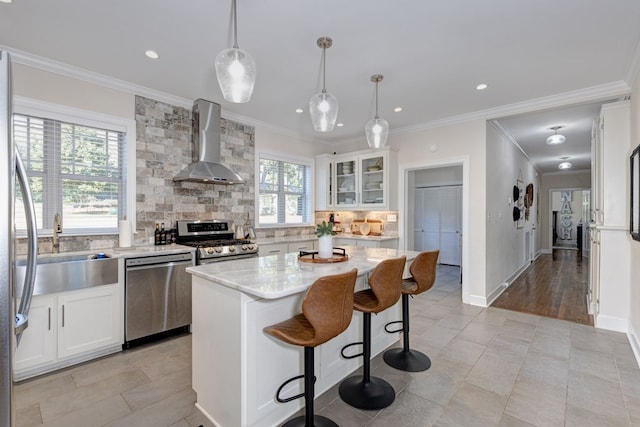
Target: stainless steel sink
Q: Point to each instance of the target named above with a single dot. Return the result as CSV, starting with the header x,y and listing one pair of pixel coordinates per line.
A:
x,y
68,272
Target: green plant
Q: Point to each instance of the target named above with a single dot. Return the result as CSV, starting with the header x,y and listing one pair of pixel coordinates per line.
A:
x,y
324,229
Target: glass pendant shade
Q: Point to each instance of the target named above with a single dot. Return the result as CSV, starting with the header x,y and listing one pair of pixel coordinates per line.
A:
x,y
323,108
236,71
377,131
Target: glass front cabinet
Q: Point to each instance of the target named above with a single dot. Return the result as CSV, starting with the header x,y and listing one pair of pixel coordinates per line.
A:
x,y
357,181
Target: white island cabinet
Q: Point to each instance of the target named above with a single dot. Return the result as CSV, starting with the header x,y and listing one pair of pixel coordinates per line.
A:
x,y
237,368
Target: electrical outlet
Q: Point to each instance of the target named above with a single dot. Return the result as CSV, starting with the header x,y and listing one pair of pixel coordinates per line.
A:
x,y
392,218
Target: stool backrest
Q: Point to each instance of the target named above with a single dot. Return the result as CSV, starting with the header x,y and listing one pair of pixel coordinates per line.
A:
x,y
328,305
423,270
386,282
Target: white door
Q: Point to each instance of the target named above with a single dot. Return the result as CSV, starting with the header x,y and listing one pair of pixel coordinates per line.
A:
x,y
438,222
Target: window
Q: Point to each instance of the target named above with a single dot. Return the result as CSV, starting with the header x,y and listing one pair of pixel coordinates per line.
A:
x,y
76,170
284,195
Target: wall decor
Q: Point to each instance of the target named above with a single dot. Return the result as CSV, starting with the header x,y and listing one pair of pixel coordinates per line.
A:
x,y
634,218
528,201
520,203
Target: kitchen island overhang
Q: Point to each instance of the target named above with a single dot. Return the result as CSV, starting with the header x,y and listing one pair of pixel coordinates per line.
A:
x,y
236,367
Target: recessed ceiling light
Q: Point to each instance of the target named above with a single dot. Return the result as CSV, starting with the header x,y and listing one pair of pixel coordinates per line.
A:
x,y
6,1
397,109
564,165
152,54
482,86
340,125
299,110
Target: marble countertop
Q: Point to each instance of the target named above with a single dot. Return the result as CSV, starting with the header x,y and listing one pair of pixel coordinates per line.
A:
x,y
302,238
277,276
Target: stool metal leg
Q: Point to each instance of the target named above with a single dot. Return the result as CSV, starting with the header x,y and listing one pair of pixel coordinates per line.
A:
x,y
365,391
309,419
404,358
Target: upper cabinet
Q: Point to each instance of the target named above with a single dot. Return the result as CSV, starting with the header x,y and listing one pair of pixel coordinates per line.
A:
x,y
364,180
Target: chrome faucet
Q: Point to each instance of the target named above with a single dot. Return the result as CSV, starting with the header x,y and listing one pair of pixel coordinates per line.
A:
x,y
57,229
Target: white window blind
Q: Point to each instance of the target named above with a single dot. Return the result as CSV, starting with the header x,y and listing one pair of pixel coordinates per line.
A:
x,y
75,170
284,192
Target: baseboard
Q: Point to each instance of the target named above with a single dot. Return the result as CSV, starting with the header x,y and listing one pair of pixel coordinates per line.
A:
x,y
474,300
497,292
546,251
635,344
611,323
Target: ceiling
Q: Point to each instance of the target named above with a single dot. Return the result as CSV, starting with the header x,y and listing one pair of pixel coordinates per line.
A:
x,y
432,55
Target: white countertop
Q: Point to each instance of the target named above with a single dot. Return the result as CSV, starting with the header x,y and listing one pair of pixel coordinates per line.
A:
x,y
277,276
303,238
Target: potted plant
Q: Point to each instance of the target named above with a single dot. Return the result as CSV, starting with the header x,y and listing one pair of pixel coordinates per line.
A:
x,y
325,235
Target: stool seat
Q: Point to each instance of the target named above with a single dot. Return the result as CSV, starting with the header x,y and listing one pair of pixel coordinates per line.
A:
x,y
385,282
327,309
423,276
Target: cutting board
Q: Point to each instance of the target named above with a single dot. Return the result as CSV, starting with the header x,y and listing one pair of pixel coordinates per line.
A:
x,y
376,227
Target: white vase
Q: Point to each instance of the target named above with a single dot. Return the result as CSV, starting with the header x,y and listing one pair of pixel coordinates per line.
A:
x,y
325,246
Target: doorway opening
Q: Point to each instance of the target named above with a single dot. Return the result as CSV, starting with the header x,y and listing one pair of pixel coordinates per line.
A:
x,y
435,201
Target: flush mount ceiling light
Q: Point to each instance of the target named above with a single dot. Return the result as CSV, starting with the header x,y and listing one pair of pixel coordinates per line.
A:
x,y
323,107
236,69
564,165
556,138
377,129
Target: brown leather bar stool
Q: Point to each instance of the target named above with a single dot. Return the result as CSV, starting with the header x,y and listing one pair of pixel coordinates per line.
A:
x,y
327,309
423,275
364,391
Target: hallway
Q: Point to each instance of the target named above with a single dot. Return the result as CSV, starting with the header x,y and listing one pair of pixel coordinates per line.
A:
x,y
555,285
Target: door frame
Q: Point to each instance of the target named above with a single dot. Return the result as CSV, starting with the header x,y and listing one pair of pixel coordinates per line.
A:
x,y
403,203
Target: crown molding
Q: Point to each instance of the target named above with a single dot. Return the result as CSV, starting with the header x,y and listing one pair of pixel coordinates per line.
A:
x,y
502,130
634,67
590,94
49,65
569,172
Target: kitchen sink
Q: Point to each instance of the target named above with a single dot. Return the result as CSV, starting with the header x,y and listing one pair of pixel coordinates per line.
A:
x,y
68,272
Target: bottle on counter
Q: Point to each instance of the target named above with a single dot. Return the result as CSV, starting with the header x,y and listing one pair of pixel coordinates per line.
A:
x,y
156,235
163,234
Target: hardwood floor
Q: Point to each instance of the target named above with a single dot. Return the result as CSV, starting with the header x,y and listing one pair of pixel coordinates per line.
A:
x,y
554,286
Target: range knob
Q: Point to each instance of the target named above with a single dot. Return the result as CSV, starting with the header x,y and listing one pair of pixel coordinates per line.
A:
x,y
244,247
218,249
209,250
232,248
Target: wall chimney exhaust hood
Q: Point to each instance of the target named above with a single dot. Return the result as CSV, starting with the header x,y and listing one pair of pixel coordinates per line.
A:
x,y
206,145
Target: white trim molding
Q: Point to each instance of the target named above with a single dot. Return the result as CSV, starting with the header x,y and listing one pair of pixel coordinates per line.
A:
x,y
635,344
611,323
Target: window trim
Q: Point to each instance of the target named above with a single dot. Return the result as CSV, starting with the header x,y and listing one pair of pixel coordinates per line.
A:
x,y
38,108
305,161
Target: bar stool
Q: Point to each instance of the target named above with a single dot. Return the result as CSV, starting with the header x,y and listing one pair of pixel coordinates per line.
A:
x,y
327,309
365,391
423,275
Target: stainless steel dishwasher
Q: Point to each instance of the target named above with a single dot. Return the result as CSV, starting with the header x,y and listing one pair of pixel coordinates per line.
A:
x,y
157,296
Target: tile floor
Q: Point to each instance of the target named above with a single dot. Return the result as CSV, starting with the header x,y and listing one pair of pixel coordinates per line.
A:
x,y
491,367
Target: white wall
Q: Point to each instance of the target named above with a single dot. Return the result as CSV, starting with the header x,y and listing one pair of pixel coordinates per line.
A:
x,y
507,254
552,181
634,314
449,145
450,175
57,89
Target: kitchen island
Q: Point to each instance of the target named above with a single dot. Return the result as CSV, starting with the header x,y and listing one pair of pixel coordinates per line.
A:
x,y
236,367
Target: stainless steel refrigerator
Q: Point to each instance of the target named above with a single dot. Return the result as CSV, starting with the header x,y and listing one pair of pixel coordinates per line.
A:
x,y
13,317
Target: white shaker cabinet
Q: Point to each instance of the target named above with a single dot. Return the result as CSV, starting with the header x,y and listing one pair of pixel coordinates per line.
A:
x,y
363,180
67,328
609,270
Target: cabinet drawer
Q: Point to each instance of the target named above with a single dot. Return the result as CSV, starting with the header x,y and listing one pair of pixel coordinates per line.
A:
x,y
272,249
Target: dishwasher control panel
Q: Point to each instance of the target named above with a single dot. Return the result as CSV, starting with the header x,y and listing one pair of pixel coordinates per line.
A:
x,y
159,259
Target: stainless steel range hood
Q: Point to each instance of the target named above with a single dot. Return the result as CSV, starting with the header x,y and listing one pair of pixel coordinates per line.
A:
x,y
206,144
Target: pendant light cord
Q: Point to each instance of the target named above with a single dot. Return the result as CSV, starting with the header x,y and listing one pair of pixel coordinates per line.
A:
x,y
377,117
235,26
324,70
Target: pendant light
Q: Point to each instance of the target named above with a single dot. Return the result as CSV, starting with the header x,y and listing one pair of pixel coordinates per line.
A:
x,y
556,138
236,69
377,129
323,107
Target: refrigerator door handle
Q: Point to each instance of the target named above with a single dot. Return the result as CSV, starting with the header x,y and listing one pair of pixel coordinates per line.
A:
x,y
32,247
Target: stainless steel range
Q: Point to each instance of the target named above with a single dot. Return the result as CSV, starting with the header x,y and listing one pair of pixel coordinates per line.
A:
x,y
215,240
